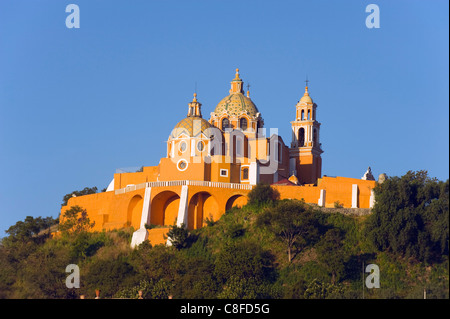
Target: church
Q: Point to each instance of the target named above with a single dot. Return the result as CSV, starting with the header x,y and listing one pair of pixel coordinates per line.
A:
x,y
211,165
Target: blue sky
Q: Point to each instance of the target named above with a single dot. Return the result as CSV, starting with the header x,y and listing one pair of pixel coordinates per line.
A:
x,y
77,104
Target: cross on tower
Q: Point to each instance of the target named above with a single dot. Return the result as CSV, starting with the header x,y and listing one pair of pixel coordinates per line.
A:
x,y
306,81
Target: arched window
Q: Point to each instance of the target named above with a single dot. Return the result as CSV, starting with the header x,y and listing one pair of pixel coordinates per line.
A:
x,y
245,173
182,146
309,114
301,137
200,146
225,124
303,115
243,123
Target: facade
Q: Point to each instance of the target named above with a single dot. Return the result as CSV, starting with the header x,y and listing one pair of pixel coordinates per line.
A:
x,y
211,165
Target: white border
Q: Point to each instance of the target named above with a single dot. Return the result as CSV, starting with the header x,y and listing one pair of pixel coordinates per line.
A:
x,y
220,172
182,160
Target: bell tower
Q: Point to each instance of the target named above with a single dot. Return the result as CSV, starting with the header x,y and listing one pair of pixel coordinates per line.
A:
x,y
305,152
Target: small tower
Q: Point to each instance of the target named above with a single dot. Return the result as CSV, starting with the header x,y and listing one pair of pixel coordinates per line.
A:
x,y
190,136
237,84
237,110
305,159
195,107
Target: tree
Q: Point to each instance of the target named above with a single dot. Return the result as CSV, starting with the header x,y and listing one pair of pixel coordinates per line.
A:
x,y
42,273
30,229
331,253
292,222
410,217
108,276
178,236
243,262
263,194
85,191
75,220
319,290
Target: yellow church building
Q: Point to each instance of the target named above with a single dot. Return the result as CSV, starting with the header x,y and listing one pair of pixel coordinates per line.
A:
x,y
210,166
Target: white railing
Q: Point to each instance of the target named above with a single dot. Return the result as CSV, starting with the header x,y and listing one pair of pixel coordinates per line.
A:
x,y
133,187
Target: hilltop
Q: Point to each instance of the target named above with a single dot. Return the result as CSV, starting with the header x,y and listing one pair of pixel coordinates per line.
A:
x,y
269,248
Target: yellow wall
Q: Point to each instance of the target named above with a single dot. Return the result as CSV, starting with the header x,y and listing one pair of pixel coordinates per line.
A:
x,y
337,189
111,211
149,174
169,171
308,193
107,210
340,189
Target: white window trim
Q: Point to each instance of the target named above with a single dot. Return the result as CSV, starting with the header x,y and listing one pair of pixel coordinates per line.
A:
x,y
221,170
204,145
178,165
242,169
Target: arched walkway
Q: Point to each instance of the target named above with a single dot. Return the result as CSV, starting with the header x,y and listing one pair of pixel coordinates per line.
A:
x,y
164,208
236,200
201,206
134,211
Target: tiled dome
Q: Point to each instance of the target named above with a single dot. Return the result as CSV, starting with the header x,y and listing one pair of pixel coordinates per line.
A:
x,y
236,104
191,126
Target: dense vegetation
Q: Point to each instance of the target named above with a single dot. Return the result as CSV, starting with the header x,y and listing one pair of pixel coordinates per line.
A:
x,y
269,248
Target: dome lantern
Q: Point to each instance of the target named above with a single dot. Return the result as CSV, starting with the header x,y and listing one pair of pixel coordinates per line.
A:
x,y
306,98
193,124
195,107
237,84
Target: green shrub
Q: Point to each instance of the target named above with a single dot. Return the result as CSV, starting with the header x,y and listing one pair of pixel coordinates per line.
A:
x,y
338,204
108,276
178,236
243,260
263,194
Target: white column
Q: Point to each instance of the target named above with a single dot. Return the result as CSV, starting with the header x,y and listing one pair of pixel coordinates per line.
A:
x,y
183,208
172,151
141,235
355,196
193,147
322,198
146,209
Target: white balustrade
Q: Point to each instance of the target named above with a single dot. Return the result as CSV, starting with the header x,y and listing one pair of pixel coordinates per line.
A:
x,y
130,188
